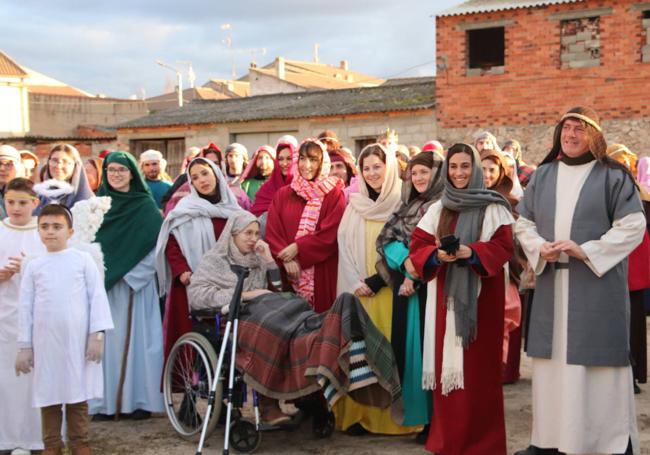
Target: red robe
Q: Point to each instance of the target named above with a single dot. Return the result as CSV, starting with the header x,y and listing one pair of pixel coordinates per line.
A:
x,y
319,249
470,421
176,321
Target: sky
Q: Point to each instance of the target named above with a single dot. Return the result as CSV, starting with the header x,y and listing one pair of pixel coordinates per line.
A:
x,y
110,47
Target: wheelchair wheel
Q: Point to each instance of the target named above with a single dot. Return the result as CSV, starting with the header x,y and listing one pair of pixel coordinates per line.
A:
x,y
244,437
186,385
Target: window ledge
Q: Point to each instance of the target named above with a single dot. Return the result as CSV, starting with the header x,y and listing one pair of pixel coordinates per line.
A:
x,y
484,72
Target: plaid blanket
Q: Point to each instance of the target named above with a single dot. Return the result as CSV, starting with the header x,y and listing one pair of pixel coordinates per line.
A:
x,y
286,351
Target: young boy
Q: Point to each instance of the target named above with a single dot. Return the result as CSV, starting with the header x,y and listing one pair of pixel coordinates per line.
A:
x,y
63,313
20,424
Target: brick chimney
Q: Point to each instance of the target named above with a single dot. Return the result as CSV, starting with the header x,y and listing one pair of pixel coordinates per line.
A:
x,y
344,65
279,68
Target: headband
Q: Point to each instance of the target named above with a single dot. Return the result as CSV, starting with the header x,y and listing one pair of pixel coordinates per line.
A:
x,y
17,194
584,118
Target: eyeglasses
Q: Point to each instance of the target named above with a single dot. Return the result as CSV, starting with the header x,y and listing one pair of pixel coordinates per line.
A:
x,y
64,163
7,164
117,170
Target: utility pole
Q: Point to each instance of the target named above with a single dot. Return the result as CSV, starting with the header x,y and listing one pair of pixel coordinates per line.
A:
x,y
179,80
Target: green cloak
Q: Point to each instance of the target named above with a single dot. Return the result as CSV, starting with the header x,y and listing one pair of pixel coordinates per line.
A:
x,y
130,228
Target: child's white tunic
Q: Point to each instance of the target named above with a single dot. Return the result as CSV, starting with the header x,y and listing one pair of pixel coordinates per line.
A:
x,y
20,424
62,301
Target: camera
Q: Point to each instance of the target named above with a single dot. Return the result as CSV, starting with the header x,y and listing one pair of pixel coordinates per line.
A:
x,y
450,244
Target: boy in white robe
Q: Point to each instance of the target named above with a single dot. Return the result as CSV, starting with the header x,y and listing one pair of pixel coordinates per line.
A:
x,y
20,424
63,313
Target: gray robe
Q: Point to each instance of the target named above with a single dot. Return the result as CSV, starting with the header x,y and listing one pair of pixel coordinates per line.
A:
x,y
598,307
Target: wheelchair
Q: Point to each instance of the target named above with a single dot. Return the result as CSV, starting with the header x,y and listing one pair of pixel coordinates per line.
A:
x,y
189,376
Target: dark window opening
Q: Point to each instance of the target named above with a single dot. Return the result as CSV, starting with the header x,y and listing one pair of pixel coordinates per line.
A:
x,y
486,47
646,14
361,143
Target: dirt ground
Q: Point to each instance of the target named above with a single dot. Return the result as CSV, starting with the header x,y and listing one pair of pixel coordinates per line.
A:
x,y
156,436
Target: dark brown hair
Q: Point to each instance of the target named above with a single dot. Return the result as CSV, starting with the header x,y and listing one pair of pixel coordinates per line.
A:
x,y
21,184
447,216
68,149
372,149
56,210
311,149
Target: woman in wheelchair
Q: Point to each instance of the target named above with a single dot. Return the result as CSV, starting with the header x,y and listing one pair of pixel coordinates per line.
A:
x,y
213,283
285,349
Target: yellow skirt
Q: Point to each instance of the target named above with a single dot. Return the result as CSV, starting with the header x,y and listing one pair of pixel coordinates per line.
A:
x,y
373,419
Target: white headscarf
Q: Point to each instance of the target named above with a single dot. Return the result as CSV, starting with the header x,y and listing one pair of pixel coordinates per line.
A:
x,y
352,230
190,223
154,155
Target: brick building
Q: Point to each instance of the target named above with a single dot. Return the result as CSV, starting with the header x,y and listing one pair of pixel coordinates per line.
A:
x,y
512,66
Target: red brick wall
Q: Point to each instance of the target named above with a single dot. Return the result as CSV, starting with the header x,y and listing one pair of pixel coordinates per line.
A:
x,y
534,89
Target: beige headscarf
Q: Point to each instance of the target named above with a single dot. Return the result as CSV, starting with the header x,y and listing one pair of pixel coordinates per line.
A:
x,y
352,230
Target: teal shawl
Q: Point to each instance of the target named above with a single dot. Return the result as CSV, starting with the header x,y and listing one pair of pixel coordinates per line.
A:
x,y
130,228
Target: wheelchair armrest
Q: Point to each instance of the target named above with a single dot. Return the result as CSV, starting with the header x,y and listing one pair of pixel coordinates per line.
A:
x,y
206,313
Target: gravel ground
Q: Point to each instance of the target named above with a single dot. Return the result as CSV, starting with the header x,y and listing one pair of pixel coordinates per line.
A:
x,y
156,436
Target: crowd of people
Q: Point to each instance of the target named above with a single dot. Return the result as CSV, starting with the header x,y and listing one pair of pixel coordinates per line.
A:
x,y
453,253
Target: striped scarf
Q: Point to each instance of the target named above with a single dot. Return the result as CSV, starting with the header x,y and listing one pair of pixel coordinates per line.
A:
x,y
313,192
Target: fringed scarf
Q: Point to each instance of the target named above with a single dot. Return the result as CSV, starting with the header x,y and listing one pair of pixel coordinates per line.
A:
x,y
313,192
402,223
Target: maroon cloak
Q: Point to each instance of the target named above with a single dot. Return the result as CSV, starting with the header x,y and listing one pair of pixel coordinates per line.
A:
x,y
319,249
470,421
176,321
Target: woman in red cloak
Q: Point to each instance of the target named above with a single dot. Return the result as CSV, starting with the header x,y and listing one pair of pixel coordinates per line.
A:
x,y
302,224
460,247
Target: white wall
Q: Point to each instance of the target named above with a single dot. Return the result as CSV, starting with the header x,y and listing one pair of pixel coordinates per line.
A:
x,y
13,111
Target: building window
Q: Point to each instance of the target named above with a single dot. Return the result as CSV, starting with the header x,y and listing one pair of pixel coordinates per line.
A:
x,y
580,42
645,24
172,149
486,50
361,143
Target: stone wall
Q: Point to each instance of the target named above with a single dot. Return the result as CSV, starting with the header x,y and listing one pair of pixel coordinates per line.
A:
x,y
59,116
414,128
536,140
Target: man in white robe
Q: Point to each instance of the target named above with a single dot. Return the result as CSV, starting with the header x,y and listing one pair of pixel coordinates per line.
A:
x,y
580,217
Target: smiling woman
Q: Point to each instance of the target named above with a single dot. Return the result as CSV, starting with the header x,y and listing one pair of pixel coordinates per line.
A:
x,y
423,187
362,271
301,227
127,237
190,230
65,178
466,298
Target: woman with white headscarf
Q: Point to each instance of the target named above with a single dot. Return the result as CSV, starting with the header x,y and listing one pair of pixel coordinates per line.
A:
x,y
65,180
188,232
361,271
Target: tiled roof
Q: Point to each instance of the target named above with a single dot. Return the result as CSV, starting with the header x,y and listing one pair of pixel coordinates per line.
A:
x,y
239,88
319,75
65,90
324,103
10,68
484,6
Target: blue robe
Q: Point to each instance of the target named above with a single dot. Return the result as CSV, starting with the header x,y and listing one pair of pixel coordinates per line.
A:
x,y
145,359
